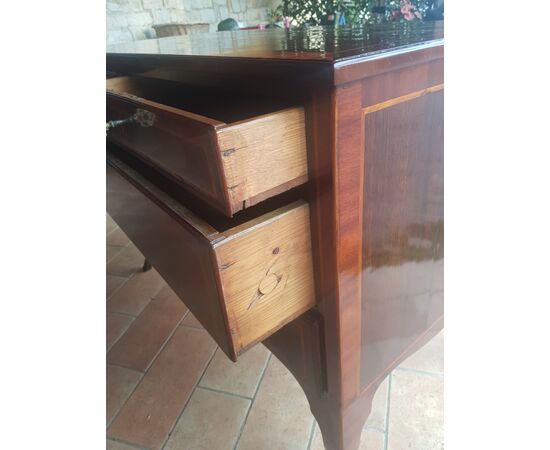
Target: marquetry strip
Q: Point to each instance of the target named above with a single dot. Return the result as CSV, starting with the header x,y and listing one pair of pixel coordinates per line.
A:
x,y
403,98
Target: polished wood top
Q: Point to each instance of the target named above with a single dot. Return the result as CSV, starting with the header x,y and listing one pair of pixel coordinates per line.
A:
x,y
325,44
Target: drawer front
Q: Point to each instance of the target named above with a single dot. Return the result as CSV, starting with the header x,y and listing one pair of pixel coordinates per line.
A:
x,y
230,166
242,284
181,145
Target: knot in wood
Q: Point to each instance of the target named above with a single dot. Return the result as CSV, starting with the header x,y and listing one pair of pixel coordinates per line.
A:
x,y
269,283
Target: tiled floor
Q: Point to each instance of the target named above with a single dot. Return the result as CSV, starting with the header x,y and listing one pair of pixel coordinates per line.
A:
x,y
168,387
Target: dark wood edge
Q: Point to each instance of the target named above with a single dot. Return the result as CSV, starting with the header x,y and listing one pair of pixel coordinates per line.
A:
x,y
213,201
257,222
221,303
226,207
178,212
254,200
256,117
140,101
360,68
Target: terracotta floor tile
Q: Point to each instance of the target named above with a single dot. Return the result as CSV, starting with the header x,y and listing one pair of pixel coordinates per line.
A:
x,y
120,384
139,345
136,293
152,410
115,445
211,421
239,378
429,358
117,324
126,263
370,440
416,412
280,417
111,252
191,321
377,417
111,224
113,283
117,238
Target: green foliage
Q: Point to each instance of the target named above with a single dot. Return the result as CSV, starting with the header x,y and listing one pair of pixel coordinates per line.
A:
x,y
314,12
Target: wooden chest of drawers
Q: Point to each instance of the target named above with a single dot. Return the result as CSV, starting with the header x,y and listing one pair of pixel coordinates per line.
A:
x,y
288,185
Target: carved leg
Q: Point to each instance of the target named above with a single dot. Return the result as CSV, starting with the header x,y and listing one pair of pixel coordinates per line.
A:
x,y
146,266
300,347
342,428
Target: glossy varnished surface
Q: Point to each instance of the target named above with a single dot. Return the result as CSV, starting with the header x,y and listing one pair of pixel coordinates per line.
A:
x,y
307,44
402,280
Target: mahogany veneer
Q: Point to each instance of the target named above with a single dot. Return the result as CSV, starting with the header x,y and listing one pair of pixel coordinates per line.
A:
x,y
372,99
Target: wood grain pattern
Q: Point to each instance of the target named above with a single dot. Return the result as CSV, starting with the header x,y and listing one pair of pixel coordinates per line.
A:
x,y
266,153
230,166
242,284
267,275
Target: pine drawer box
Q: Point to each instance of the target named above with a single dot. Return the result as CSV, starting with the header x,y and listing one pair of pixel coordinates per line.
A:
x,y
228,149
242,282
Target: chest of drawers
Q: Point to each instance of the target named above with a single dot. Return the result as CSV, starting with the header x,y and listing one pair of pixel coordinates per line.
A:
x,y
288,185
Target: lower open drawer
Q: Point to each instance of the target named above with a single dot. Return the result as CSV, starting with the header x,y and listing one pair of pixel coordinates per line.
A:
x,y
242,283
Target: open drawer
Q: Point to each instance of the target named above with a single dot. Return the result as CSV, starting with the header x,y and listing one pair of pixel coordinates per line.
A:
x,y
242,283
230,151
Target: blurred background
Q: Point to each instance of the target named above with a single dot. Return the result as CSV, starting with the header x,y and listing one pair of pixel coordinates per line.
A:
x,y
130,20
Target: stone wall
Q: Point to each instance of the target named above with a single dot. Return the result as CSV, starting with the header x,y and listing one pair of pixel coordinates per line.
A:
x,y
130,20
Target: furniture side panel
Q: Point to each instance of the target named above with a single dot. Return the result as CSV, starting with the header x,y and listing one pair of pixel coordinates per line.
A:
x,y
402,260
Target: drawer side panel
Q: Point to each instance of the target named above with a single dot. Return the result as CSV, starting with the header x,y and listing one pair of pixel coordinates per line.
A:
x,y
182,258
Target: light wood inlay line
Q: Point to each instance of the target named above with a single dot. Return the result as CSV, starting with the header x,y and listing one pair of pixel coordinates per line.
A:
x,y
403,98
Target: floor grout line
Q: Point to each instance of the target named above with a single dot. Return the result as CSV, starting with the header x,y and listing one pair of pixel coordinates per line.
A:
x,y
223,392
420,372
388,398
165,342
126,401
125,367
207,365
191,326
312,431
123,314
121,334
252,402
142,373
119,287
130,444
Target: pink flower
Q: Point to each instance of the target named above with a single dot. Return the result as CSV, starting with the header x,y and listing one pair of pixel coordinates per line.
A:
x,y
408,10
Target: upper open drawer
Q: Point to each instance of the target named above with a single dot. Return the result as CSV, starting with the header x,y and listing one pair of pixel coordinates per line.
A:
x,y
230,151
